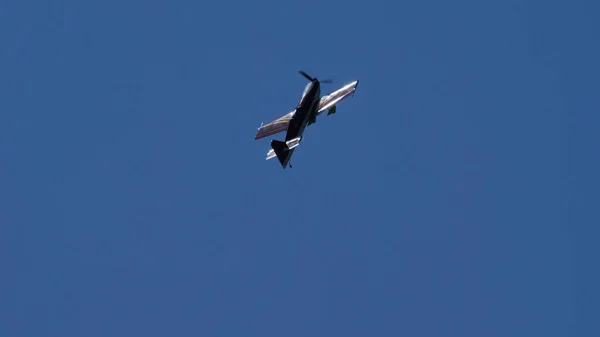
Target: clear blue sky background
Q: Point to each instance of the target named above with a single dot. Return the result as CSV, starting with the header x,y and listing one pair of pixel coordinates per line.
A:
x,y
454,195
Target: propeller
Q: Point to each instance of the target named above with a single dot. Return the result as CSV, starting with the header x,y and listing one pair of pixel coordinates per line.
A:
x,y
306,75
326,81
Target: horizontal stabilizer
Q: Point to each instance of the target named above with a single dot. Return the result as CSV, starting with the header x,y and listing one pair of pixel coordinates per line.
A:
x,y
292,143
283,150
271,154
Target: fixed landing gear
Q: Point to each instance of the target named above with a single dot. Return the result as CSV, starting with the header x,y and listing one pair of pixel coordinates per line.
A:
x,y
290,165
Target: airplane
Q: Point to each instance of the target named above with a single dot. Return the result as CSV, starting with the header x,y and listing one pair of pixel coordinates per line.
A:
x,y
310,106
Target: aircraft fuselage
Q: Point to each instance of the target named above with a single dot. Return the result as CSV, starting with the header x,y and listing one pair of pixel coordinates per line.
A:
x,y
305,110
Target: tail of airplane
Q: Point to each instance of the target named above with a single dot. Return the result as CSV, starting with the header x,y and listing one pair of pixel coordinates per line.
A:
x,y
283,150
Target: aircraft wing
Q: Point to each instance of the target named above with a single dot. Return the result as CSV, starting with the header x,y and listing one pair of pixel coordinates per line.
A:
x,y
337,96
278,125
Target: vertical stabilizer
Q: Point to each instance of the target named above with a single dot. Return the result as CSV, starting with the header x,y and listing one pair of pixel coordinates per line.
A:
x,y
282,151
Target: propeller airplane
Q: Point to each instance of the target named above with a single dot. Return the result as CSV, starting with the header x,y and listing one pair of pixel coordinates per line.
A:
x,y
311,105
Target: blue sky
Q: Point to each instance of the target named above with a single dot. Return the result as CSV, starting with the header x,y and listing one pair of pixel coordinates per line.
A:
x,y
453,195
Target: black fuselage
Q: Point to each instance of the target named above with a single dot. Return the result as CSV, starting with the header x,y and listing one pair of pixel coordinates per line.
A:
x,y
305,110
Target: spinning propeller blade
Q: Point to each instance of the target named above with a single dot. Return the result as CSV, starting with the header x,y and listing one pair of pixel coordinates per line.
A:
x,y
306,75
327,81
